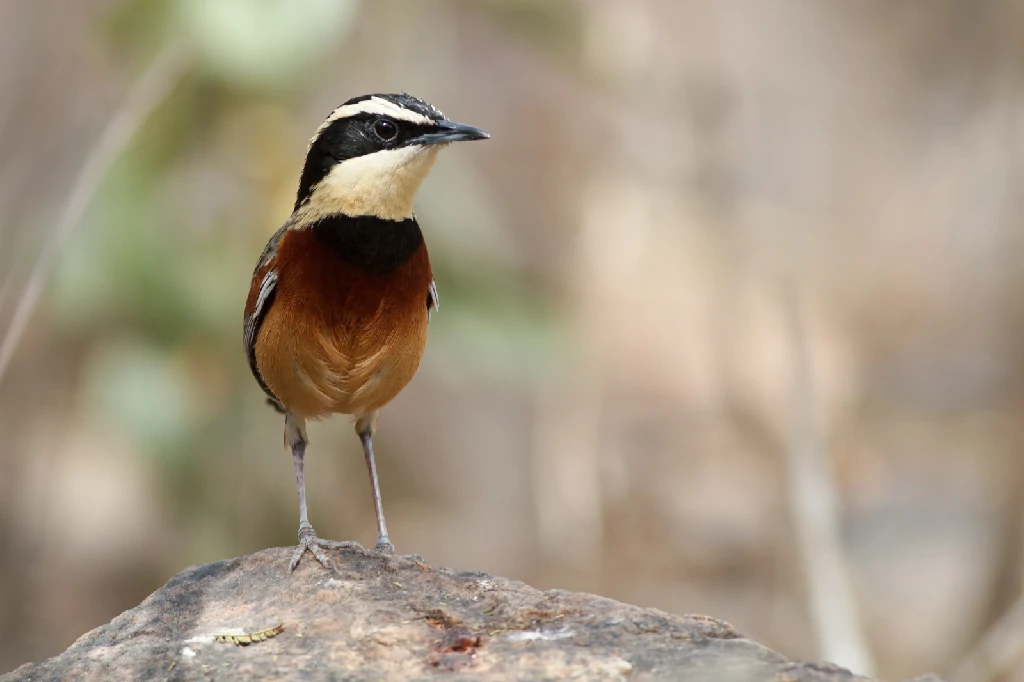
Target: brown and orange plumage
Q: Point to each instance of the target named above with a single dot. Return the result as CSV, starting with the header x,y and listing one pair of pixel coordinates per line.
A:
x,y
337,311
340,338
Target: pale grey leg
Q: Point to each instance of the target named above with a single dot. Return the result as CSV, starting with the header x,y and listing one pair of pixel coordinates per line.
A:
x,y
365,427
384,545
295,432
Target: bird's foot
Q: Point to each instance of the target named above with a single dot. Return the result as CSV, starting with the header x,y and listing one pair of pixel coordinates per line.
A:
x,y
309,542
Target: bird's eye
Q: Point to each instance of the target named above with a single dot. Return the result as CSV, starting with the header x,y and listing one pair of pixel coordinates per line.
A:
x,y
385,129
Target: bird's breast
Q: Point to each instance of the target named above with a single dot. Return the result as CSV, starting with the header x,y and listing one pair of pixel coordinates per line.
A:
x,y
349,320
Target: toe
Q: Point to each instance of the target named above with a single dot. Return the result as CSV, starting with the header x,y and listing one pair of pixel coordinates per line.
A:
x,y
340,544
319,555
296,557
312,546
309,542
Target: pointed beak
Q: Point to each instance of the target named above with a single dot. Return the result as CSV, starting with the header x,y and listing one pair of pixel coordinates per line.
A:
x,y
449,131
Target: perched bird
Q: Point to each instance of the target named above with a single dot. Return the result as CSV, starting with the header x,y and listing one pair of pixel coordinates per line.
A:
x,y
336,317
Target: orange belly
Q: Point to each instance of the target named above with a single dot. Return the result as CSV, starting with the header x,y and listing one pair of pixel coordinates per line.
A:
x,y
338,339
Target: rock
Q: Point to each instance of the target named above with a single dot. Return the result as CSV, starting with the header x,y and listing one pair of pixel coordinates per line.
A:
x,y
400,619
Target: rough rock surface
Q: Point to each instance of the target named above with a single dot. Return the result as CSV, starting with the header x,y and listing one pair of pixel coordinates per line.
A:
x,y
399,619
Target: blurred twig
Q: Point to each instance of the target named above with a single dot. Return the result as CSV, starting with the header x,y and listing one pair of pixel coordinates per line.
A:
x,y
147,92
815,511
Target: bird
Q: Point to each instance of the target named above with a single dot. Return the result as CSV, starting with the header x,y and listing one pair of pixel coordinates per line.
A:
x,y
337,311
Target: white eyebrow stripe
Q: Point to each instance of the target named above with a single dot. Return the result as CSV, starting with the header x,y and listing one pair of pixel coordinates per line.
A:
x,y
379,106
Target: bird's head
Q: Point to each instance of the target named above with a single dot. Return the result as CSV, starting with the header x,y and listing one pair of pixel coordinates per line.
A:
x,y
371,154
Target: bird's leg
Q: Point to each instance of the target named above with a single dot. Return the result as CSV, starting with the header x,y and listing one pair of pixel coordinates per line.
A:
x,y
295,433
365,427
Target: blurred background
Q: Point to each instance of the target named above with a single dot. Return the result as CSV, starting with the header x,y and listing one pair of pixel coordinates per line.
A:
x,y
731,308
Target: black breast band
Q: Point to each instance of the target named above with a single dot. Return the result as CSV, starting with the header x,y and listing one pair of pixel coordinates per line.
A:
x,y
374,245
